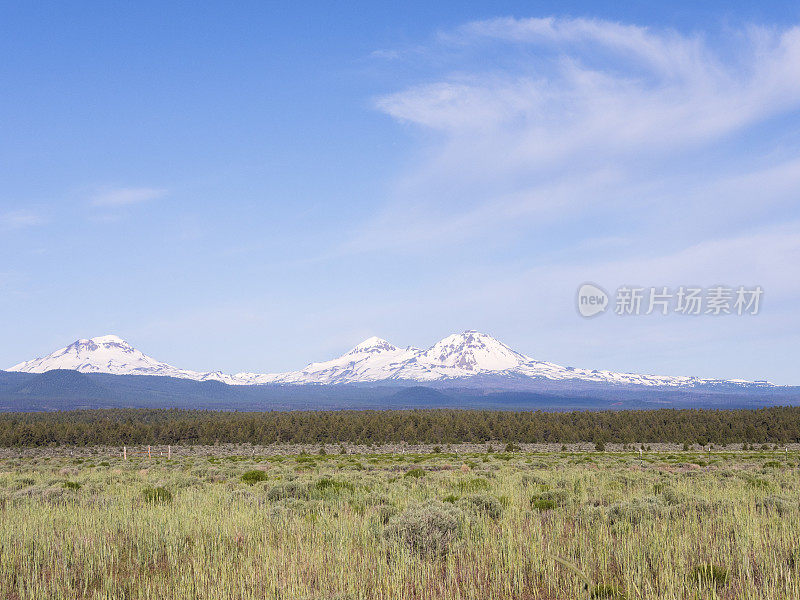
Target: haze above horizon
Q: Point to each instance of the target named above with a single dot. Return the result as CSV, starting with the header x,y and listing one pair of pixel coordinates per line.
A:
x,y
233,188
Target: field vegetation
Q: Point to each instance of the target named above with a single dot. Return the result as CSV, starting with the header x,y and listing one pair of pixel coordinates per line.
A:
x,y
115,427
436,525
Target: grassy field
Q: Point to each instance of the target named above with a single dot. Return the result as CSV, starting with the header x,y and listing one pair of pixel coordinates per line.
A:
x,y
472,525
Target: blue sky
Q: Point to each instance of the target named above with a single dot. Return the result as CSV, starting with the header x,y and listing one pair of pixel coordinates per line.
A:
x,y
251,188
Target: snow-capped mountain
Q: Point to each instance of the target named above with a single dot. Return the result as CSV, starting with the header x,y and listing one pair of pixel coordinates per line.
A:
x,y
456,359
373,359
110,354
462,355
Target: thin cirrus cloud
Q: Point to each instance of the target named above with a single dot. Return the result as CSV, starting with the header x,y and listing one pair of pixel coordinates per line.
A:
x,y
558,151
605,79
119,197
572,102
19,219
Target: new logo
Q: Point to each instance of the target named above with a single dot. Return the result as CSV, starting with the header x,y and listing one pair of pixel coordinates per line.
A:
x,y
592,300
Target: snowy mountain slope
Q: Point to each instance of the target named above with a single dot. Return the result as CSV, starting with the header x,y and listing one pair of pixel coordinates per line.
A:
x,y
373,359
110,354
455,360
461,355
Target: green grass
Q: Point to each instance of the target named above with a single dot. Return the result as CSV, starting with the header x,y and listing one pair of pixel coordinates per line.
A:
x,y
711,574
158,495
254,476
542,504
415,473
517,525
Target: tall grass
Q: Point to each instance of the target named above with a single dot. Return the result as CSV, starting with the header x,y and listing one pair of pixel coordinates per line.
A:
x,y
536,526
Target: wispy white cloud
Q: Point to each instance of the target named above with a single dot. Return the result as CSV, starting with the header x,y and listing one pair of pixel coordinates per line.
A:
x,y
586,115
619,83
385,54
20,219
117,197
557,151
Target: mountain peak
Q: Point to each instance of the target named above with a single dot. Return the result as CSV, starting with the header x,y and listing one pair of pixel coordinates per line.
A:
x,y
97,343
457,357
373,344
103,354
109,339
473,351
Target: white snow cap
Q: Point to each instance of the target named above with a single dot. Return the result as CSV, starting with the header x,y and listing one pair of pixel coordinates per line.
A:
x,y
373,344
109,339
109,354
456,357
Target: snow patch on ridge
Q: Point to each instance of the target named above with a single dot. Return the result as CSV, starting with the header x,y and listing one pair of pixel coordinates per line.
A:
x,y
110,354
456,358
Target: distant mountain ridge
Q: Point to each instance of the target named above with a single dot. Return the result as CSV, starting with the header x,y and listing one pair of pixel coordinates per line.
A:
x,y
110,354
469,358
60,383
71,390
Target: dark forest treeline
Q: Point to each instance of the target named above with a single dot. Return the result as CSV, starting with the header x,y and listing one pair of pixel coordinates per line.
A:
x,y
132,426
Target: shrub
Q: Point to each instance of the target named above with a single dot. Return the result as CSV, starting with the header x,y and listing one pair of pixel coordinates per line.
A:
x,y
334,486
429,529
707,573
776,504
542,504
292,506
253,477
549,500
243,496
72,485
158,495
475,484
670,495
482,504
637,510
590,514
386,512
530,479
511,447
758,483
415,473
600,446
290,489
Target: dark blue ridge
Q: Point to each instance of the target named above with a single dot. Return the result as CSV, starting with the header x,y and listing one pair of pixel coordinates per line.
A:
x,y
67,390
